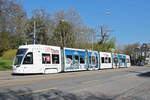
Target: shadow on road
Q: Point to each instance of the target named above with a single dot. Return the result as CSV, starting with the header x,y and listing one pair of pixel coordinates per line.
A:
x,y
134,72
141,74
49,95
147,74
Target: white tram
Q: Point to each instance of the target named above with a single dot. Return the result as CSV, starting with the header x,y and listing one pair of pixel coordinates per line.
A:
x,y
37,59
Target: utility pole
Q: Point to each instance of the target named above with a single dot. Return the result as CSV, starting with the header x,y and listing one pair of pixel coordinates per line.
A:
x,y
34,32
92,41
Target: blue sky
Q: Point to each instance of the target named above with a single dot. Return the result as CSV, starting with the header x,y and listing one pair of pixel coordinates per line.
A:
x,y
129,18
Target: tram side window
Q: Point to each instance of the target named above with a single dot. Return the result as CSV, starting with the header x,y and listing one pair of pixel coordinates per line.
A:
x,y
46,58
28,58
102,58
120,60
55,58
96,59
123,60
90,59
76,57
69,56
128,61
106,60
82,60
109,60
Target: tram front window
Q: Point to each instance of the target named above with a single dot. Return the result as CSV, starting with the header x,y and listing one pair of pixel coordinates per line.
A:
x,y
19,56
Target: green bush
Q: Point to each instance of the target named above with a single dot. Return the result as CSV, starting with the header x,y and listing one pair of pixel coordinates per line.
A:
x,y
5,64
9,55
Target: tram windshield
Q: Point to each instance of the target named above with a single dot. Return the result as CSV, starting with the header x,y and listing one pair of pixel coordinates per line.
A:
x,y
19,56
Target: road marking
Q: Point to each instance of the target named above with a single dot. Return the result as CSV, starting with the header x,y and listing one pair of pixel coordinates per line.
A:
x,y
64,76
87,82
36,91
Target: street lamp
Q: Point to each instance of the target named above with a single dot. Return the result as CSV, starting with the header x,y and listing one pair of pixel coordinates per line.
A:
x,y
34,32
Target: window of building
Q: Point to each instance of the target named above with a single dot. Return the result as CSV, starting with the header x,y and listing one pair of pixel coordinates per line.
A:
x,y
28,58
46,59
82,60
55,58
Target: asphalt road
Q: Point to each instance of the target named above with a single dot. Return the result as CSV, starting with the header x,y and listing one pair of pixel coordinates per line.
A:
x,y
113,84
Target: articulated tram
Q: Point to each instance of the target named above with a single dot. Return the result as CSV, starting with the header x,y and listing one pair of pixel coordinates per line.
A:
x,y
33,59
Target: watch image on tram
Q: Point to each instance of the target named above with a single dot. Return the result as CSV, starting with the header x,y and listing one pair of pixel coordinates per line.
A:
x,y
93,60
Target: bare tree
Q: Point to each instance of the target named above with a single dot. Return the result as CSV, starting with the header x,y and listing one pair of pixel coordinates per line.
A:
x,y
72,17
63,35
12,18
103,33
43,25
129,48
105,41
